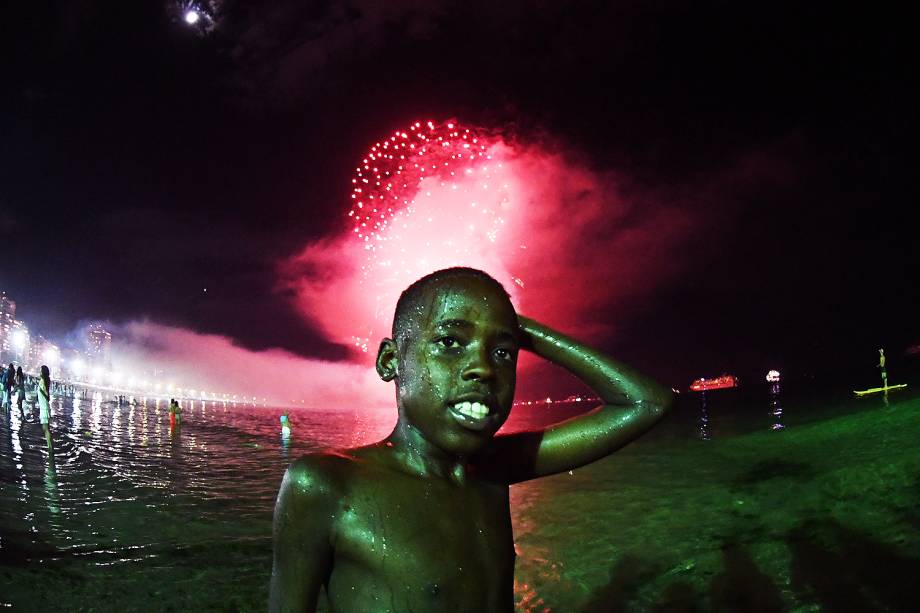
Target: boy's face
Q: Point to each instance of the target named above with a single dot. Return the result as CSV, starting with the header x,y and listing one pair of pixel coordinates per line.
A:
x,y
457,364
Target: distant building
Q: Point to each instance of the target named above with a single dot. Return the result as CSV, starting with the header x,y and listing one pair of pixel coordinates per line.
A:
x,y
7,319
7,309
99,344
14,336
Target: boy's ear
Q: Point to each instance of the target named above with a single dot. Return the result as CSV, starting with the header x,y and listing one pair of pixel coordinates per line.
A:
x,y
386,360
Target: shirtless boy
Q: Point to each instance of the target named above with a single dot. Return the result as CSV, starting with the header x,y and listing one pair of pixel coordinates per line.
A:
x,y
420,521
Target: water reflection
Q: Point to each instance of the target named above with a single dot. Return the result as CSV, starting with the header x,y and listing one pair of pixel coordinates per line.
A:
x,y
51,486
286,441
776,410
721,414
703,427
117,467
96,413
75,421
14,423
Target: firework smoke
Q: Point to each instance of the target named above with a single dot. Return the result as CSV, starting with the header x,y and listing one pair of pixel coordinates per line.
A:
x,y
561,238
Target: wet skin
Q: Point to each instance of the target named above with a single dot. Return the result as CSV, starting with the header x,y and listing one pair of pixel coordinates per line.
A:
x,y
420,521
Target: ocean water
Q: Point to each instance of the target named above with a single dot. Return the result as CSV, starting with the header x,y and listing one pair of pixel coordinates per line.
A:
x,y
757,499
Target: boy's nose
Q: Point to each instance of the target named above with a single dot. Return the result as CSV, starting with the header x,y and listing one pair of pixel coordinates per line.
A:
x,y
478,368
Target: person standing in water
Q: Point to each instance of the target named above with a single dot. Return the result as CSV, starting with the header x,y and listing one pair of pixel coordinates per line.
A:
x,y
285,424
20,389
8,378
881,365
44,404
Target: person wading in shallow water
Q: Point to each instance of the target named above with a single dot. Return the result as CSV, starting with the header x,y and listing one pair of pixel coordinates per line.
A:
x,y
8,380
20,389
175,413
420,521
44,404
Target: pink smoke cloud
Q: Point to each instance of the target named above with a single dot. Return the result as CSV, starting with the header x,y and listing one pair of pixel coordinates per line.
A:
x,y
570,247
213,363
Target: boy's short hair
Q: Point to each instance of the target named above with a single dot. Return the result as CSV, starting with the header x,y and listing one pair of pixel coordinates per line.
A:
x,y
412,294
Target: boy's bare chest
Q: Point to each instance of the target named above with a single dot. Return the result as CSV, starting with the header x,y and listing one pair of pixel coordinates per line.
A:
x,y
414,539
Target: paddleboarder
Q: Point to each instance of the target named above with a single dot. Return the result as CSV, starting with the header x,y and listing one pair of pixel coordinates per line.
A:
x,y
881,365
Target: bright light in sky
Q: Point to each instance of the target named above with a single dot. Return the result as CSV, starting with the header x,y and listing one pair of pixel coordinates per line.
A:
x,y
200,15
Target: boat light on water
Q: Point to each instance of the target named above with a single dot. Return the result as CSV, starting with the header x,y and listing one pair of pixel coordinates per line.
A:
x,y
723,382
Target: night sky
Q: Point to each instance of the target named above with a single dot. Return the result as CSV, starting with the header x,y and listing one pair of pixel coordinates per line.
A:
x,y
143,160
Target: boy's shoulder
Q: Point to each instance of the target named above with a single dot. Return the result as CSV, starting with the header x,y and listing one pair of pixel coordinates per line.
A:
x,y
329,472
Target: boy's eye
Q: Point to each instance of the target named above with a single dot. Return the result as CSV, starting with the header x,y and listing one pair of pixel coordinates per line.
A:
x,y
447,341
504,354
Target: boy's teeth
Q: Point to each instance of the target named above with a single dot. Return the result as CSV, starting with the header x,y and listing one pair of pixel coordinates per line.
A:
x,y
472,409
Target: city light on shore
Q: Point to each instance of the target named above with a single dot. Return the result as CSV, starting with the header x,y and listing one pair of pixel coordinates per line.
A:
x,y
86,361
52,356
20,338
78,367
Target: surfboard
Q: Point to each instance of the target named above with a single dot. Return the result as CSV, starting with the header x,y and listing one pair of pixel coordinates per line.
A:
x,y
876,390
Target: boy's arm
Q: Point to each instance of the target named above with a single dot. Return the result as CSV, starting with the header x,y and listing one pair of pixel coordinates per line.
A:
x,y
633,403
301,535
